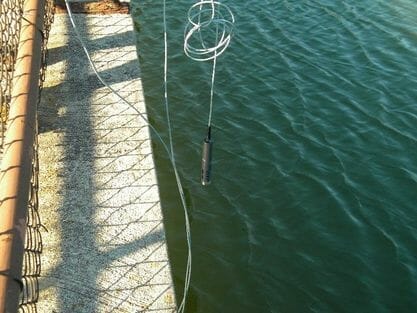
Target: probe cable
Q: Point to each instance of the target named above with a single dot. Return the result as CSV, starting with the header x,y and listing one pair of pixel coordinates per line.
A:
x,y
207,35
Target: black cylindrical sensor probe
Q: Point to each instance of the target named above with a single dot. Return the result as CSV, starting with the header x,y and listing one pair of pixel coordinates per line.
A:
x,y
206,159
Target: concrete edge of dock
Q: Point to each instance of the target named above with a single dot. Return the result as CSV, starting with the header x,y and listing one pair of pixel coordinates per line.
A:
x,y
105,248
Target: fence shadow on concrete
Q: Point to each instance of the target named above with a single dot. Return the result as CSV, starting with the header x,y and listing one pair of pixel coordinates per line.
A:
x,y
105,250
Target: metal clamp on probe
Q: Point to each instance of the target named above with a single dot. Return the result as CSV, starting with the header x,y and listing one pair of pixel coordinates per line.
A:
x,y
206,159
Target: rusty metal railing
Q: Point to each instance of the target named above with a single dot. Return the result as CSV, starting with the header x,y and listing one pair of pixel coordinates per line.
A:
x,y
24,26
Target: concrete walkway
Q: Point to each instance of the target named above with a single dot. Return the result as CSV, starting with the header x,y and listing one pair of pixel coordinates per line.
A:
x,y
105,248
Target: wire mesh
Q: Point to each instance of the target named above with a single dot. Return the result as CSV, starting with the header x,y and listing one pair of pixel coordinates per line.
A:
x,y
33,244
10,21
11,14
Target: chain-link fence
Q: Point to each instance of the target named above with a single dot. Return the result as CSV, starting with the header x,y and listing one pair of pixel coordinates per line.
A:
x,y
11,16
10,22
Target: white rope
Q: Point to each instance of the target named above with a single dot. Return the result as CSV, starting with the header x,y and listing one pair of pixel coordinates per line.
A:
x,y
187,279
170,151
207,35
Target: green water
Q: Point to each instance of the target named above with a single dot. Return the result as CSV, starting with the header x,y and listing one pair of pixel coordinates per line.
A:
x,y
313,202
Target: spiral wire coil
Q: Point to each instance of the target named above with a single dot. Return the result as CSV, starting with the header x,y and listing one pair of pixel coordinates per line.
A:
x,y
207,35
208,31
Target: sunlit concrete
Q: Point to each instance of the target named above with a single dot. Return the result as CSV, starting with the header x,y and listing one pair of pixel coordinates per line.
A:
x,y
105,247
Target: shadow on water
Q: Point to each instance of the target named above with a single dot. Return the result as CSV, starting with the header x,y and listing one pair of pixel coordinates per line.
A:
x,y
111,250
306,213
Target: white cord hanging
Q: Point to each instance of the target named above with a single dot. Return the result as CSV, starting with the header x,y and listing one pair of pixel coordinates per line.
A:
x,y
207,35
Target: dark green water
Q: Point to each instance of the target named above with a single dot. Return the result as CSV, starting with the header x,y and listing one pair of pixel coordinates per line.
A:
x,y
313,203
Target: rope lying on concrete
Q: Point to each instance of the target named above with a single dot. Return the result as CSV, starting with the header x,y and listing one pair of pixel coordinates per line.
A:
x,y
170,151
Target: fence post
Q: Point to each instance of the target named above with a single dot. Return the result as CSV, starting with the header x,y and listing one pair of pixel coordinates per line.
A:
x,y
15,173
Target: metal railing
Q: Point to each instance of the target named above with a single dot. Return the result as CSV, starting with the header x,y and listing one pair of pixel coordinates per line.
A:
x,y
24,28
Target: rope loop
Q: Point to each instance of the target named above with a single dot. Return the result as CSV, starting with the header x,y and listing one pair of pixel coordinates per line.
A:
x,y
208,31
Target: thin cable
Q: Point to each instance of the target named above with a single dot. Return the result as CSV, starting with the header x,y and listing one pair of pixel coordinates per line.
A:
x,y
187,222
166,82
207,35
213,74
170,151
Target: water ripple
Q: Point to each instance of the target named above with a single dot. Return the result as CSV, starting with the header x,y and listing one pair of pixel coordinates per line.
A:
x,y
312,206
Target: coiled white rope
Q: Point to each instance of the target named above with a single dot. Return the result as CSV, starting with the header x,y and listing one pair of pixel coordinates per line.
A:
x,y
208,31
207,35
